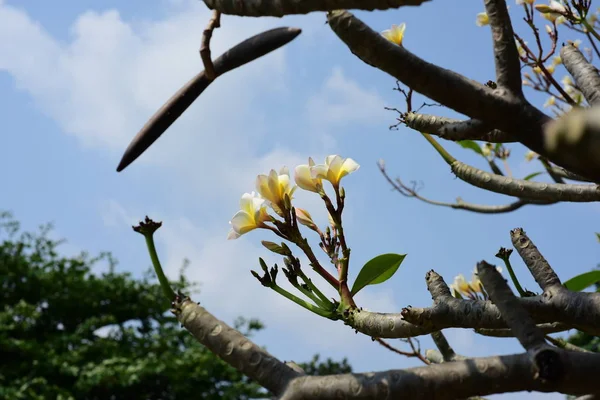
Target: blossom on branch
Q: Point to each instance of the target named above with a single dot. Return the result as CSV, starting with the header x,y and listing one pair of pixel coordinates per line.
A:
x,y
253,214
395,34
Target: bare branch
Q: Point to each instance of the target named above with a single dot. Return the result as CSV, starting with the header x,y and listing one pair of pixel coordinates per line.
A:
x,y
452,380
516,317
209,68
444,347
233,347
537,191
246,51
580,310
413,353
542,272
563,173
279,8
460,204
585,74
553,327
439,84
506,56
454,129
496,107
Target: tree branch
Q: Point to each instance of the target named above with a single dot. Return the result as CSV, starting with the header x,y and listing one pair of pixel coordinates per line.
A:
x,y
444,347
447,87
584,74
460,204
580,310
454,129
233,347
279,8
452,380
538,191
209,68
506,56
244,52
541,271
547,328
498,108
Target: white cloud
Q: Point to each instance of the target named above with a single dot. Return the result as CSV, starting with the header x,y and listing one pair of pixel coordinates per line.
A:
x,y
342,101
111,75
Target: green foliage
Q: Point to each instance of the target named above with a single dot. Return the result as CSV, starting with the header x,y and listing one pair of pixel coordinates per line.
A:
x,y
69,333
377,270
533,175
472,145
583,281
329,367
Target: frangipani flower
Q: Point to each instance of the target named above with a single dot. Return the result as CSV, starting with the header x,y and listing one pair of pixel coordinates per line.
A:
x,y
470,289
482,19
395,34
530,155
550,102
552,11
334,169
304,178
252,215
274,187
460,284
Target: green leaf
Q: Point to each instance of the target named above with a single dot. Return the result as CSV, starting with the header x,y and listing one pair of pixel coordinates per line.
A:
x,y
470,144
585,280
598,236
377,270
531,176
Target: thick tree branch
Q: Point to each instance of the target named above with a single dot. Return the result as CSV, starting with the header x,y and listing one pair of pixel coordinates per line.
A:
x,y
243,53
506,56
513,312
547,359
444,347
279,8
563,173
548,328
585,74
449,88
233,347
576,309
497,107
454,129
452,380
538,191
541,271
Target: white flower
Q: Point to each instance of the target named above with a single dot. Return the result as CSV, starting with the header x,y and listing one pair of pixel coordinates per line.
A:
x,y
252,215
334,169
395,34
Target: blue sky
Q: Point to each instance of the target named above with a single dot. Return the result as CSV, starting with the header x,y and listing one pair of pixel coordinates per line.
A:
x,y
79,78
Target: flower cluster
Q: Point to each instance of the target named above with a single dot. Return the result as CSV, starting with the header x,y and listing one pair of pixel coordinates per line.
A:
x,y
473,290
275,191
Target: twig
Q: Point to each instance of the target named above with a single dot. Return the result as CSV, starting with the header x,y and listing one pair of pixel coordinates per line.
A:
x,y
414,353
214,22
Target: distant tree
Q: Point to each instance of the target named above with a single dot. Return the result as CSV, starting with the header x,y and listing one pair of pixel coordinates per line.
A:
x,y
69,333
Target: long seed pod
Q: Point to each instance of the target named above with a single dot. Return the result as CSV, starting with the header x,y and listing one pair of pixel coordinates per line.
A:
x,y
244,52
